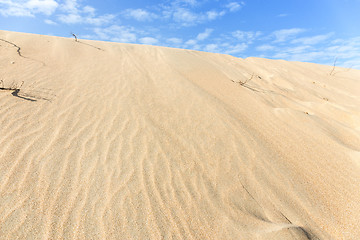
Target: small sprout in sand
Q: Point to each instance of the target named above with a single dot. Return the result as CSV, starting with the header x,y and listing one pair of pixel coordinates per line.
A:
x,y
326,99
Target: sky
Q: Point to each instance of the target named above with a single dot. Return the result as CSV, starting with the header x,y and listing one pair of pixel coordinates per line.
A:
x,y
317,31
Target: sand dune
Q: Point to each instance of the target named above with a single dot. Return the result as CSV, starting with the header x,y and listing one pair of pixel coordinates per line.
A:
x,y
120,141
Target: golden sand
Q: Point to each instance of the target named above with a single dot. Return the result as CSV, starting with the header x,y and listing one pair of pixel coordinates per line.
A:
x,y
120,141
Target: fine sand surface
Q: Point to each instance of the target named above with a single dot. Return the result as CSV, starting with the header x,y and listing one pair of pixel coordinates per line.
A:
x,y
121,141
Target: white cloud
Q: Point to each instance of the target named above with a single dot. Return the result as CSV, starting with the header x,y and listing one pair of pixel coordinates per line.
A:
x,y
70,18
298,49
191,42
148,40
235,49
191,3
235,6
175,41
50,22
100,20
46,7
312,40
212,15
344,51
302,56
90,10
283,15
286,34
212,48
70,6
319,49
16,11
116,33
27,8
75,14
354,63
244,36
265,47
185,16
140,14
205,34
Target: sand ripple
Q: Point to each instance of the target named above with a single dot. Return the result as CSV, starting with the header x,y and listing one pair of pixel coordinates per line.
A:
x,y
140,142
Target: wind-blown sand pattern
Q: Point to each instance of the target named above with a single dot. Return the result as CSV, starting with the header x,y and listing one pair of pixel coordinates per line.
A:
x,y
120,141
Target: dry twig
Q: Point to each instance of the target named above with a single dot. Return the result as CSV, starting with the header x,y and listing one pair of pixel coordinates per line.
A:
x,y
333,69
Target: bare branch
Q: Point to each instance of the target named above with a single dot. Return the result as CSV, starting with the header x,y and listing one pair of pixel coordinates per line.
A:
x,y
333,69
248,80
74,37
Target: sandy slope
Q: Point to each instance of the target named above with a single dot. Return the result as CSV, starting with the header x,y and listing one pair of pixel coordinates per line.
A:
x,y
120,141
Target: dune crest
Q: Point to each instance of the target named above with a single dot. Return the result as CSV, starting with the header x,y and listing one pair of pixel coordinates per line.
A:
x,y
120,141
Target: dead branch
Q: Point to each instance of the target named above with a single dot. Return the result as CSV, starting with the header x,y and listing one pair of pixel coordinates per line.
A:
x,y
74,37
333,69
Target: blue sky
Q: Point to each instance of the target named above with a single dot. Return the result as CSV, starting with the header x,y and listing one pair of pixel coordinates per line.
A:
x,y
298,30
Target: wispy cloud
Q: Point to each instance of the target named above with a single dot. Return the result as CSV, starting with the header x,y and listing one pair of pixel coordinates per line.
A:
x,y
187,17
187,13
27,8
46,7
191,42
186,2
345,48
74,13
148,40
312,40
70,11
80,19
140,14
235,49
319,48
174,41
50,22
212,48
195,16
235,6
205,34
286,34
265,47
70,6
246,36
115,33
213,14
196,42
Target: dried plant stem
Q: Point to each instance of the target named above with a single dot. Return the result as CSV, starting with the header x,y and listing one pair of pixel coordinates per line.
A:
x,y
74,37
333,69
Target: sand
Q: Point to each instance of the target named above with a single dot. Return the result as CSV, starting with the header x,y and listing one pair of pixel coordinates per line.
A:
x,y
120,141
